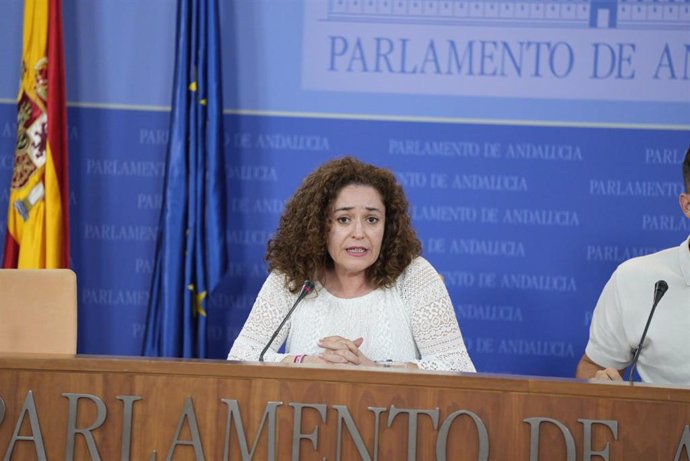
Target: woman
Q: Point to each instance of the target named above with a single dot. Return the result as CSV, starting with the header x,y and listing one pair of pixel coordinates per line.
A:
x,y
376,302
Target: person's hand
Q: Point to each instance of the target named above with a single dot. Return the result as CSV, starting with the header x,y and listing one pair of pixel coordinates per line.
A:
x,y
607,374
337,349
314,359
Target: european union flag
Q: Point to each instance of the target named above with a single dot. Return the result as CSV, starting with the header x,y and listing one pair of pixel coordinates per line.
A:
x,y
191,255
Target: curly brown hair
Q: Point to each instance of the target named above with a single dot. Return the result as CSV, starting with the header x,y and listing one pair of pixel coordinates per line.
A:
x,y
299,246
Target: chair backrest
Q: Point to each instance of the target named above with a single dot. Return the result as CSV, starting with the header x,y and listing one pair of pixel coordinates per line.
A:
x,y
38,311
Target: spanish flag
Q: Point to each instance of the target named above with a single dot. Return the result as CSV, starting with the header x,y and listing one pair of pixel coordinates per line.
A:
x,y
38,217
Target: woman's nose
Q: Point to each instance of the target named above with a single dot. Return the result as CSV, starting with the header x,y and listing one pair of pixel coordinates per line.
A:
x,y
358,229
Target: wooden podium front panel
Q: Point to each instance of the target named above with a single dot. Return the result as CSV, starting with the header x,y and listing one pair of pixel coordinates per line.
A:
x,y
635,422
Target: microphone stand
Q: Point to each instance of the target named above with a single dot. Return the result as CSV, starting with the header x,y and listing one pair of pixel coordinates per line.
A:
x,y
660,288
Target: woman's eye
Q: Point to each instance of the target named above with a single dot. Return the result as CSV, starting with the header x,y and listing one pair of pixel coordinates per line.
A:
x,y
372,219
342,219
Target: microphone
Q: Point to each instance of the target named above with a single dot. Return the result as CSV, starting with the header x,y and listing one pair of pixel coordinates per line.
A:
x,y
307,287
660,288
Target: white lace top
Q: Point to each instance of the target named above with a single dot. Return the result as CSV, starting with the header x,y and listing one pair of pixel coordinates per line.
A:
x,y
413,321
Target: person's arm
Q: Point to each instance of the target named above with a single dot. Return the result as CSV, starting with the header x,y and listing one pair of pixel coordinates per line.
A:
x,y
607,353
269,309
432,318
587,369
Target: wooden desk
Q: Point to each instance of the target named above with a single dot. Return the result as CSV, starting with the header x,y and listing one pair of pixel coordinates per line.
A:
x,y
142,409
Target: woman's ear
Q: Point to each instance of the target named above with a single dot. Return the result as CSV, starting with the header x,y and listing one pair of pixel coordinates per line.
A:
x,y
684,201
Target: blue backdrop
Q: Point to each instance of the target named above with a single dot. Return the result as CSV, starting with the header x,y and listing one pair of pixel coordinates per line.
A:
x,y
539,142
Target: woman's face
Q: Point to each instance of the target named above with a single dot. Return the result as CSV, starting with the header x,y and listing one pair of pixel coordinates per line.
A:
x,y
356,229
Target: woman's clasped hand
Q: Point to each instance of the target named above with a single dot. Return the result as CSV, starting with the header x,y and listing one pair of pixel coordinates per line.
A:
x,y
337,349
